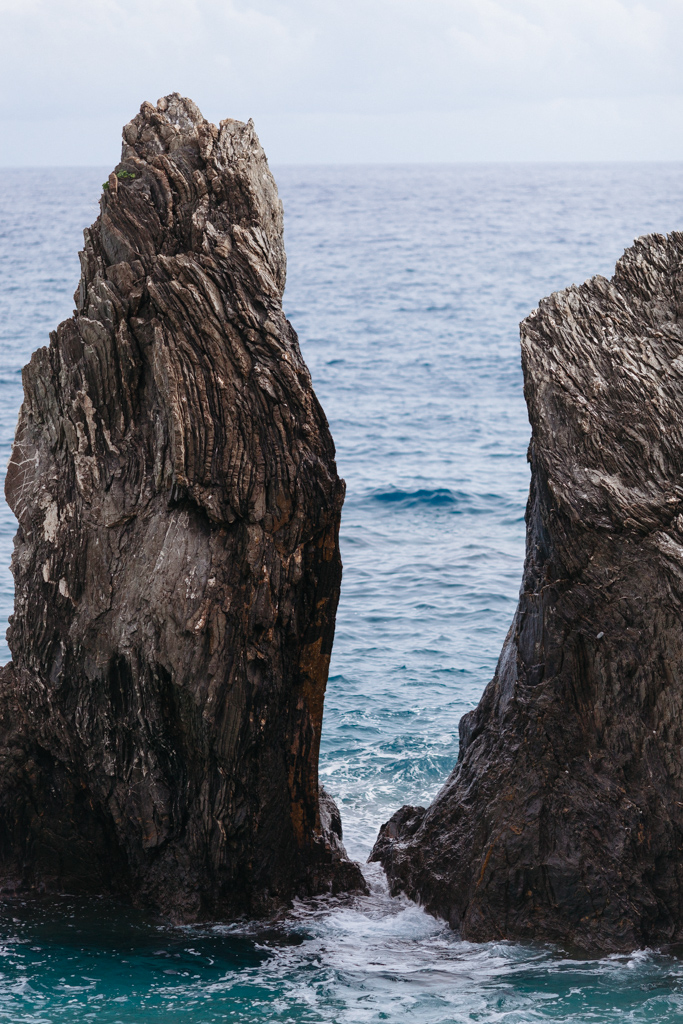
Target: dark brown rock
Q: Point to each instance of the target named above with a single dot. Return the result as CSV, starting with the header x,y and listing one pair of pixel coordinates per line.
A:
x,y
563,819
177,564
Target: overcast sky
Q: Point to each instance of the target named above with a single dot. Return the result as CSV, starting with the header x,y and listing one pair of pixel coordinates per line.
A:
x,y
331,81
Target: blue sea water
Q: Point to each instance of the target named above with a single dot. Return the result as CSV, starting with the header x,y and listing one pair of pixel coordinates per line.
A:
x,y
406,286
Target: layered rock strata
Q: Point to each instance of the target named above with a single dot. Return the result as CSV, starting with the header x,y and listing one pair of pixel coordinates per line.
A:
x,y
563,819
177,564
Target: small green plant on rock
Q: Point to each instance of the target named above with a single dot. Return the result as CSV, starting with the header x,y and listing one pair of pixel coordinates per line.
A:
x,y
121,175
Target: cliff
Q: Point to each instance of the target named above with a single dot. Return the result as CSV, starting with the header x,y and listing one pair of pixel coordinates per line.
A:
x,y
563,819
177,564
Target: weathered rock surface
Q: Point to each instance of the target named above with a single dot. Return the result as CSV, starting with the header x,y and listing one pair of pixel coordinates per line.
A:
x,y
177,565
563,819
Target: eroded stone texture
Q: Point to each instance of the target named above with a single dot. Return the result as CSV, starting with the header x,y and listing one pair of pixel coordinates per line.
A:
x,y
563,818
177,564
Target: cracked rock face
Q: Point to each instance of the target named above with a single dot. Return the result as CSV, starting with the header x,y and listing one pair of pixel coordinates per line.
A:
x,y
177,563
563,819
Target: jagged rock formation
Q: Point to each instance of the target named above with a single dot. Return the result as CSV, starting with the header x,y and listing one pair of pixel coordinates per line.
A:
x,y
177,564
563,819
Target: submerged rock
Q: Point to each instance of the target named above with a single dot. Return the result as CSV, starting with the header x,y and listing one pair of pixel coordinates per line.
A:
x,y
563,819
177,564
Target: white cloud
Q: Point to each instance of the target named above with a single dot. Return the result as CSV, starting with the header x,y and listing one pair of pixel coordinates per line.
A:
x,y
330,61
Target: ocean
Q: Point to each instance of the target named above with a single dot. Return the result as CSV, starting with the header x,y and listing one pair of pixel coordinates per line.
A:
x,y
406,286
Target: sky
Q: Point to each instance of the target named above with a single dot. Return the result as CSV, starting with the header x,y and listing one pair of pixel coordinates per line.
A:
x,y
350,81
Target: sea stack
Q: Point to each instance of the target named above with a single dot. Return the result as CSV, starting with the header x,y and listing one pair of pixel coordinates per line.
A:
x,y
177,564
563,819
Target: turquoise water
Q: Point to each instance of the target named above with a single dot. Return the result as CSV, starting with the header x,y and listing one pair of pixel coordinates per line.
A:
x,y
406,286
376,960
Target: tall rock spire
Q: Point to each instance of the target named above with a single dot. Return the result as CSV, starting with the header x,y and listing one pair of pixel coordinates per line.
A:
x,y
563,819
177,565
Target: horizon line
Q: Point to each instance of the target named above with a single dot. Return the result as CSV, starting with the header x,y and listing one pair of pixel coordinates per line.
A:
x,y
586,161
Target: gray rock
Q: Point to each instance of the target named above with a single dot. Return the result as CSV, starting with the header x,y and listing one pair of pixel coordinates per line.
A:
x,y
177,564
563,819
